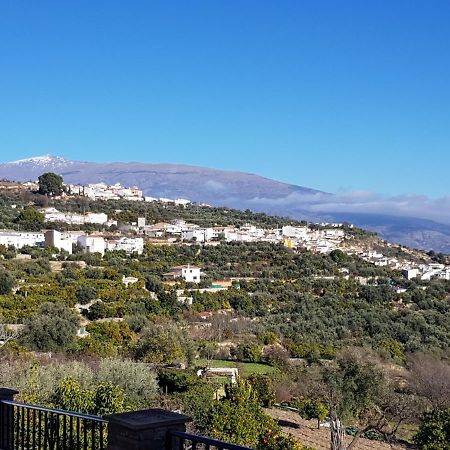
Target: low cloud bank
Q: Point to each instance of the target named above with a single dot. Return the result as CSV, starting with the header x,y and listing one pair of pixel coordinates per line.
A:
x,y
419,206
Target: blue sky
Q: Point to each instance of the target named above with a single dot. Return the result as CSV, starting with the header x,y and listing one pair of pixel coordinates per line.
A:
x,y
335,95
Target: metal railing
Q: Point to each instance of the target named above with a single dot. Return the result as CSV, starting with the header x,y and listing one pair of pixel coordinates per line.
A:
x,y
30,427
187,441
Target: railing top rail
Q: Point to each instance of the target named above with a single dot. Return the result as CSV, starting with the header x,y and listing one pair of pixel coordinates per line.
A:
x,y
205,440
54,410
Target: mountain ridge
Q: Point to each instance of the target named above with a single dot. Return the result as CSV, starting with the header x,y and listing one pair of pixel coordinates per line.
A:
x,y
233,189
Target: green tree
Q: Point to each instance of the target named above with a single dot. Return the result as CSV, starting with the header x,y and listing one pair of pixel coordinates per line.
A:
x,y
117,333
177,381
434,432
92,346
312,409
250,352
197,401
138,383
51,184
6,282
262,385
354,387
338,256
273,439
105,398
108,399
393,349
52,327
239,418
70,396
8,252
153,284
162,343
207,350
30,219
269,338
85,294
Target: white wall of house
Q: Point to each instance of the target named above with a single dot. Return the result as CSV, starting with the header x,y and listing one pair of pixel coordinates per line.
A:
x,y
191,274
294,232
92,244
19,239
53,215
99,218
411,273
54,238
130,245
198,234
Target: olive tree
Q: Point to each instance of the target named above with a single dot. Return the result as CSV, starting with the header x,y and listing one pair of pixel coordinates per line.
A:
x,y
52,327
6,282
353,387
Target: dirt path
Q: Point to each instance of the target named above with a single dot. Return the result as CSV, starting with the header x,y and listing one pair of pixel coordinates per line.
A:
x,y
306,431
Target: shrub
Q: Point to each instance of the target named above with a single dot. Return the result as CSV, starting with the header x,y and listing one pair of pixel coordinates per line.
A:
x,y
52,328
6,282
85,294
312,409
250,352
262,385
434,432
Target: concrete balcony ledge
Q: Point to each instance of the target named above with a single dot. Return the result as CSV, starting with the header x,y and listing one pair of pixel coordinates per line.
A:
x,y
147,418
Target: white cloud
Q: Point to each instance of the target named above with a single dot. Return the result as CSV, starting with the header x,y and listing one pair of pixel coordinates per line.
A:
x,y
419,206
215,185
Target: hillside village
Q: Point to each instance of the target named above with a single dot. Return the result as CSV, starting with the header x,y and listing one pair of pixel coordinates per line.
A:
x,y
130,237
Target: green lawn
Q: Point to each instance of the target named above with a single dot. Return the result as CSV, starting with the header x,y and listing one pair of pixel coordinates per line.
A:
x,y
245,369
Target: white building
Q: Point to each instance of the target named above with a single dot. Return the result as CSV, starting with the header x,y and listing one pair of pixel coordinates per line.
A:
x,y
190,274
54,238
238,236
156,230
182,202
129,280
98,218
53,215
129,245
106,192
19,239
92,244
372,254
294,232
198,234
252,230
334,233
411,273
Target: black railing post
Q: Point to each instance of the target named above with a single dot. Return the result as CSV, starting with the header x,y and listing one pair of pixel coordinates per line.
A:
x,y
7,419
148,429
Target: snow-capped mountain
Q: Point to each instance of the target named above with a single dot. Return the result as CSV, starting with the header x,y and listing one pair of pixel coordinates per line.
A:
x,y
233,189
44,161
162,180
